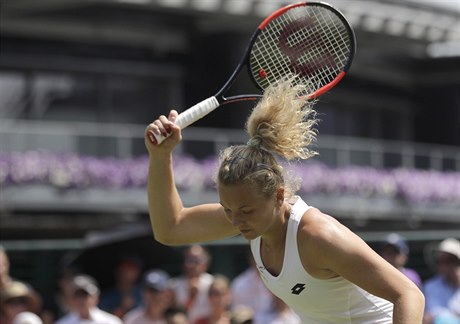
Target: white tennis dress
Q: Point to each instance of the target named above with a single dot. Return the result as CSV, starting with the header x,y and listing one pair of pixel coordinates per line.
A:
x,y
319,301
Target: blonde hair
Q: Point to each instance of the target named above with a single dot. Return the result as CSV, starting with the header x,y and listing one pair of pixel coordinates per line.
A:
x,y
282,123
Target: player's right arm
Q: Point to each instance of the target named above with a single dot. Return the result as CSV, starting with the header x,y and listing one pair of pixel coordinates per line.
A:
x,y
172,223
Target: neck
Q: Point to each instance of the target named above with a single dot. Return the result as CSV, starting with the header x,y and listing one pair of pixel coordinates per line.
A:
x,y
219,317
276,236
4,280
124,286
193,276
85,314
217,312
154,313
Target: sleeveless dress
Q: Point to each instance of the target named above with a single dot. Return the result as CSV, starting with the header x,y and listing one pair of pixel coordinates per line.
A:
x,y
319,301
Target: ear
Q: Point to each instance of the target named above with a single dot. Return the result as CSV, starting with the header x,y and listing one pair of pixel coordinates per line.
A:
x,y
280,195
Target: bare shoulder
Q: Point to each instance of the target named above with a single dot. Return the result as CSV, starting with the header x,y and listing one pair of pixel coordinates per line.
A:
x,y
321,237
317,227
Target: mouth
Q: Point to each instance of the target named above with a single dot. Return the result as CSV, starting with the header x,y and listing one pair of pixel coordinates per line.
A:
x,y
243,231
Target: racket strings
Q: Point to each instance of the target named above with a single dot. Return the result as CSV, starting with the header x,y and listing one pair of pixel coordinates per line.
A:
x,y
320,36
267,55
329,30
332,38
311,42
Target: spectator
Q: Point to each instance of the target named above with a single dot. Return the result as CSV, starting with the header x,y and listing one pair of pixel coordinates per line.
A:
x,y
249,291
280,313
242,315
85,296
27,318
191,289
127,293
59,303
396,251
176,315
157,299
442,292
16,298
220,299
4,269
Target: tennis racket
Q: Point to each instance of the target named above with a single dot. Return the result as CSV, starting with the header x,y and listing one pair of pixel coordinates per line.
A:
x,y
312,41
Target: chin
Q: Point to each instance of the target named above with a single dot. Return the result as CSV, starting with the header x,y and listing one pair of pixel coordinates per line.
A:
x,y
248,235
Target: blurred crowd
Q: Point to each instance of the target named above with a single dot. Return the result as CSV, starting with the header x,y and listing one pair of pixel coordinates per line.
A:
x,y
153,296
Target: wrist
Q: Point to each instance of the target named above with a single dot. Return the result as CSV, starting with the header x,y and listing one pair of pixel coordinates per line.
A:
x,y
160,155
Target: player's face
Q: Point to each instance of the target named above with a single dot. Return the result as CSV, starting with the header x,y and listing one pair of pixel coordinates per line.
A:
x,y
247,209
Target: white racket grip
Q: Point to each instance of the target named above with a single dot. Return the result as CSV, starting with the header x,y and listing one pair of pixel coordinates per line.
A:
x,y
196,112
193,114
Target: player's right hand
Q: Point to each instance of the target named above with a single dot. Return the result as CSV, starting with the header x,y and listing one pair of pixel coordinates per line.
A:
x,y
166,127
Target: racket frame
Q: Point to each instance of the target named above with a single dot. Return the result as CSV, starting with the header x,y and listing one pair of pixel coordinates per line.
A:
x,y
204,107
282,10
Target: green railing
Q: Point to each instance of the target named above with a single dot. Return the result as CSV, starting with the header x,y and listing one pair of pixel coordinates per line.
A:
x,y
126,141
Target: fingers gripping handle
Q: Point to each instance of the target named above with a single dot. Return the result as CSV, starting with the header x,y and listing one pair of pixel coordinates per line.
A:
x,y
192,114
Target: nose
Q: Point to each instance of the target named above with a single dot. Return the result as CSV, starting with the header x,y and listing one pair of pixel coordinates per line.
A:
x,y
236,220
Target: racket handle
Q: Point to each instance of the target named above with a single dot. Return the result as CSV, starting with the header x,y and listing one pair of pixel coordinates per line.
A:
x,y
192,114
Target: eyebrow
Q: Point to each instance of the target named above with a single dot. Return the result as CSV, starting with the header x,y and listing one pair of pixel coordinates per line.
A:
x,y
241,207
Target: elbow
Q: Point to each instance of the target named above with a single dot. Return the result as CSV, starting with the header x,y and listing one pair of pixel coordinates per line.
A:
x,y
165,238
161,238
414,296
418,298
417,294
421,297
409,293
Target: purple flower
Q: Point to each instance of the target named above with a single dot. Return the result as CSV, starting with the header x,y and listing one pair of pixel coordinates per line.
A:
x,y
80,172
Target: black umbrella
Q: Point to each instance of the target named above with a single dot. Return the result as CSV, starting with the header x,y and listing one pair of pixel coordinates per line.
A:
x,y
102,250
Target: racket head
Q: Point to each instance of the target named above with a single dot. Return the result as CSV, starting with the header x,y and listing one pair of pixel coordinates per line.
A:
x,y
311,40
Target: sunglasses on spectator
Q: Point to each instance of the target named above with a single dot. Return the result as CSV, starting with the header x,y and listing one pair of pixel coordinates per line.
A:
x,y
194,260
154,290
80,294
447,260
215,292
16,301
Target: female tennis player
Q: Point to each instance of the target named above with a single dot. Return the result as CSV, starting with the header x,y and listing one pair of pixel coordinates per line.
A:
x,y
321,269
